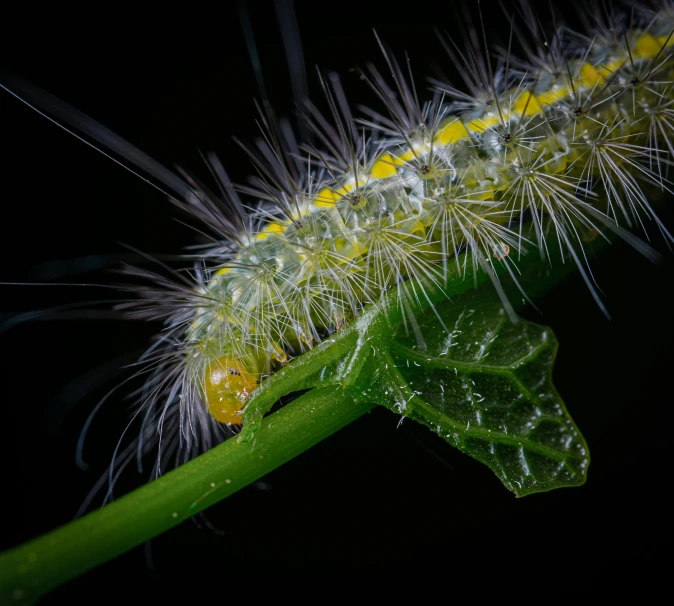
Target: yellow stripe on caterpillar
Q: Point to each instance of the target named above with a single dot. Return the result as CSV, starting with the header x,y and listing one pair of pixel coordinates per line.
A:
x,y
452,131
384,167
646,47
527,104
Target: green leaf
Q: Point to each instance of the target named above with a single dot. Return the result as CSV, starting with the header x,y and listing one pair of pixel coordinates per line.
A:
x,y
483,382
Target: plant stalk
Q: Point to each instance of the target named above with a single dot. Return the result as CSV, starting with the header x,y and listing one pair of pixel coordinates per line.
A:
x,y
38,566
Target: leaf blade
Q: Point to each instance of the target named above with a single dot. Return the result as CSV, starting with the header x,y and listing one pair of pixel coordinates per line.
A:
x,y
493,397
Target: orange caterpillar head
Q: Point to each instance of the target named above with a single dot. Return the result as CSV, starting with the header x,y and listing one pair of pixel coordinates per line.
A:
x,y
227,385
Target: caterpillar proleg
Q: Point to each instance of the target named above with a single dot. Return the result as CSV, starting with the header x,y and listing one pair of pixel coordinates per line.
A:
x,y
574,146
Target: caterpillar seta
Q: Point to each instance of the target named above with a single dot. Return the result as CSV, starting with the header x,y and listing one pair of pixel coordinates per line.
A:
x,y
555,139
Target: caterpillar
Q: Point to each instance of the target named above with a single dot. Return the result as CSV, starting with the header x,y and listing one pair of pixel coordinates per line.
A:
x,y
372,210
447,156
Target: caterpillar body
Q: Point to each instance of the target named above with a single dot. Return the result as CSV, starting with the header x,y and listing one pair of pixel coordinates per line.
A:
x,y
569,144
561,147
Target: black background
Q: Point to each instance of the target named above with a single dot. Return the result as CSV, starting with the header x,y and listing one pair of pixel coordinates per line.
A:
x,y
373,495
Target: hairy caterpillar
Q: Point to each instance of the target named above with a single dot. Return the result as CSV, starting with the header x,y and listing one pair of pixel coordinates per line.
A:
x,y
153,216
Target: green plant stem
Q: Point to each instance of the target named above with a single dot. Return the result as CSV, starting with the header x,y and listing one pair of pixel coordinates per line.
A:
x,y
36,567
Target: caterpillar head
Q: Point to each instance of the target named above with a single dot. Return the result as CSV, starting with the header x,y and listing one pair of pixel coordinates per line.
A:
x,y
227,385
